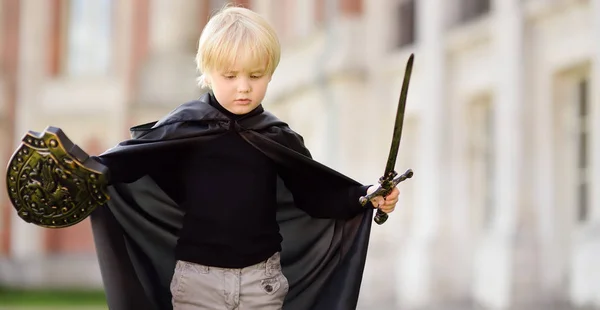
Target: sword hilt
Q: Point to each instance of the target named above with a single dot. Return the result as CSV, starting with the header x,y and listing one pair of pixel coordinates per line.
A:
x,y
384,190
380,217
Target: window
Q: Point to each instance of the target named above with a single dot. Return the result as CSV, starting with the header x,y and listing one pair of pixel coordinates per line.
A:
x,y
88,38
583,165
406,23
573,125
471,9
482,161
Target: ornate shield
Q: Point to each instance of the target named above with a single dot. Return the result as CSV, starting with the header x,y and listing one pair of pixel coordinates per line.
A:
x,y
53,183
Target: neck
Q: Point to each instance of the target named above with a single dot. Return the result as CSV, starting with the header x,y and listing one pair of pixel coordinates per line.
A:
x,y
215,104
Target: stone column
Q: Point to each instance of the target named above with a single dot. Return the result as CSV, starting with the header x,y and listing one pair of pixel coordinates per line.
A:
x,y
496,266
416,286
169,74
27,242
543,165
27,246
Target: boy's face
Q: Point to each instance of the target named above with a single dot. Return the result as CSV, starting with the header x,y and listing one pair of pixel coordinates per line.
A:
x,y
241,88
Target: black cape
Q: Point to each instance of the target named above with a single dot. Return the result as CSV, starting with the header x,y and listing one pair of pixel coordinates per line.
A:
x,y
135,233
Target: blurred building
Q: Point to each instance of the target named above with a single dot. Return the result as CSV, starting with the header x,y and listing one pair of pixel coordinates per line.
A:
x,y
503,211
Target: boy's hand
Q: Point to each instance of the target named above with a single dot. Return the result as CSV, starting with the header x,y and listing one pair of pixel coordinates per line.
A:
x,y
387,204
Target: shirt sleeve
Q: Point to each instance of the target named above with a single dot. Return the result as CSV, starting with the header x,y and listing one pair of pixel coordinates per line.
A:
x,y
121,170
311,190
320,200
130,165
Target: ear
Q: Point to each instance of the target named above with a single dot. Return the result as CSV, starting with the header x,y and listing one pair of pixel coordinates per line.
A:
x,y
207,78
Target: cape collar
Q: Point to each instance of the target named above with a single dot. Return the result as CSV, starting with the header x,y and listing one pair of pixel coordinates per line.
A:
x,y
202,110
206,108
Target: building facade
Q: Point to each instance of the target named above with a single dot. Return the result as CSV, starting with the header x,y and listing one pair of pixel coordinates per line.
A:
x,y
501,129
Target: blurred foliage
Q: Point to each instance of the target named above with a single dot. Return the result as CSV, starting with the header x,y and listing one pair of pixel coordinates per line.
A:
x,y
51,298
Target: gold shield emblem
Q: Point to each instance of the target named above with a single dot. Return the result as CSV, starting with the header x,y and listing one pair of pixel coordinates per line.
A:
x,y
52,182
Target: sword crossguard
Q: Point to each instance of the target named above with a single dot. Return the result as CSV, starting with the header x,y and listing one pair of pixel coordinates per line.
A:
x,y
384,190
386,178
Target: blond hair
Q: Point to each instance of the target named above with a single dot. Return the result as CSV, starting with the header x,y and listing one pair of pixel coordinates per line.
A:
x,y
235,33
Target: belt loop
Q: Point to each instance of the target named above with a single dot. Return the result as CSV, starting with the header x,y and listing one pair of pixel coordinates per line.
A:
x,y
268,267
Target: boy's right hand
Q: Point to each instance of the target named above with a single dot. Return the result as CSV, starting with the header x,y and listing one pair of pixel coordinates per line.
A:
x,y
388,203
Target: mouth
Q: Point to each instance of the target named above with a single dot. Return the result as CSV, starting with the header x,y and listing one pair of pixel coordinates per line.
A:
x,y
243,101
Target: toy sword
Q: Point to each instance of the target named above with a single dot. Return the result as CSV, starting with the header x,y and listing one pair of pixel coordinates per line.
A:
x,y
387,182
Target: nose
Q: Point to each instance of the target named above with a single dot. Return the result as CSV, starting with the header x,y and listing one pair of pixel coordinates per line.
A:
x,y
244,85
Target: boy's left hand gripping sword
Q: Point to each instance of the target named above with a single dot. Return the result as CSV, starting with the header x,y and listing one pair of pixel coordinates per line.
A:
x,y
387,182
52,183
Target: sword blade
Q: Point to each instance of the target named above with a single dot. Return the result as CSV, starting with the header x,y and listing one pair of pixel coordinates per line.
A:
x,y
391,162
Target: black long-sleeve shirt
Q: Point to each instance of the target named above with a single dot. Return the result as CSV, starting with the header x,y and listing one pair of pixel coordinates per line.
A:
x,y
228,189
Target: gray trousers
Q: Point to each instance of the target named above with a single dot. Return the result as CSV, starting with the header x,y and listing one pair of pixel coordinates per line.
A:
x,y
261,286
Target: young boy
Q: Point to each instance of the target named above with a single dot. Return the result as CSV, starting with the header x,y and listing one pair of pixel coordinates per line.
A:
x,y
220,203
238,266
